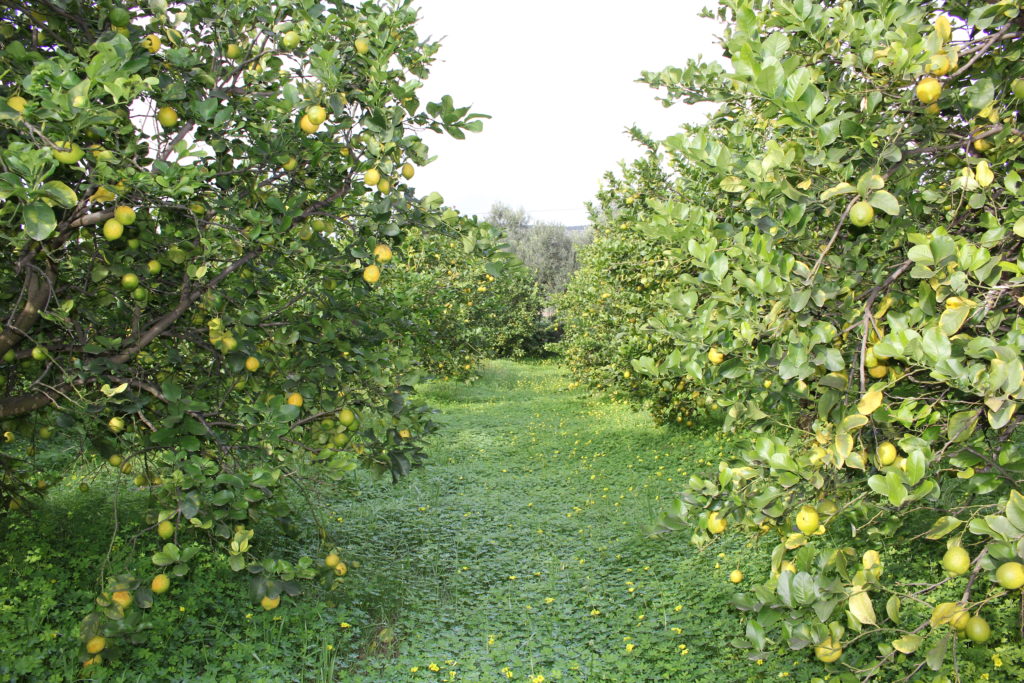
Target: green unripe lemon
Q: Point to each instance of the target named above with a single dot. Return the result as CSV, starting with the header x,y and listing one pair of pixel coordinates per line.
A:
x,y
862,214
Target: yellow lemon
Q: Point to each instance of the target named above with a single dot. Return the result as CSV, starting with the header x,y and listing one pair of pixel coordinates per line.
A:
x,y
151,43
956,561
167,117
382,253
928,90
828,651
95,644
316,114
716,524
160,584
1010,575
886,453
807,520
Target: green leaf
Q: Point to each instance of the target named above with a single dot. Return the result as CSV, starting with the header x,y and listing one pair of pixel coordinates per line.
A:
x,y
892,608
908,643
841,188
39,221
895,489
60,193
804,589
937,654
886,202
961,425
860,606
952,319
731,184
1015,510
980,93
943,526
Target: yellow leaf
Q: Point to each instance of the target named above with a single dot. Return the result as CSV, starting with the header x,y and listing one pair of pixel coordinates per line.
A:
x,y
861,607
871,558
844,446
869,402
794,541
804,184
908,643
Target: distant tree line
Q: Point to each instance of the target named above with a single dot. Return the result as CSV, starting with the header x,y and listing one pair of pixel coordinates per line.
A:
x,y
548,249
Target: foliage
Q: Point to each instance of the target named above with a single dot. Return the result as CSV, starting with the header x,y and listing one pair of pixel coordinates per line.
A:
x,y
464,313
842,268
435,554
192,198
548,249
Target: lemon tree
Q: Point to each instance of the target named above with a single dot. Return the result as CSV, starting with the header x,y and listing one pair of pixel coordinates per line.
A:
x,y
834,260
192,196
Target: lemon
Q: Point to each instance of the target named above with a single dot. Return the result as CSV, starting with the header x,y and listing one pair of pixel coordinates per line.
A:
x,y
125,215
151,43
316,114
715,356
977,629
938,65
165,529
928,90
1010,575
167,117
735,576
862,213
956,561
371,274
122,598
716,524
382,253
252,363
295,399
67,152
807,520
95,644
886,453
268,603
160,584
828,651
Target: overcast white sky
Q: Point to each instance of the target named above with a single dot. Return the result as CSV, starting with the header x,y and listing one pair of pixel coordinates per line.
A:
x,y
558,78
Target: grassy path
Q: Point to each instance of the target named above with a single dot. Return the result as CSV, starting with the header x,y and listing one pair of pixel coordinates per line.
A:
x,y
521,552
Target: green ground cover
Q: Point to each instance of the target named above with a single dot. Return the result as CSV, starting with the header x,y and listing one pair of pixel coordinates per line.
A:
x,y
519,552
